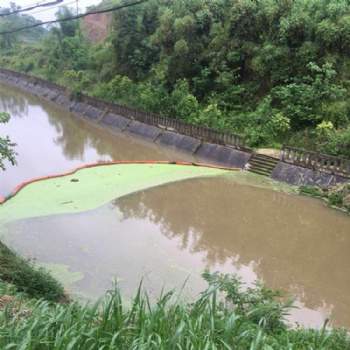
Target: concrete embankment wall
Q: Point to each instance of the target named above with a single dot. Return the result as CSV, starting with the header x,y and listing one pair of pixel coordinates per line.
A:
x,y
204,151
296,175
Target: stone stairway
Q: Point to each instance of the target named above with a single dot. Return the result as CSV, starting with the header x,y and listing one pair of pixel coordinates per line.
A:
x,y
261,164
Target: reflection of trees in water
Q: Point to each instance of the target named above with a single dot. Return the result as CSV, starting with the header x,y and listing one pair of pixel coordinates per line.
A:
x,y
292,241
186,216
77,135
13,102
73,140
74,135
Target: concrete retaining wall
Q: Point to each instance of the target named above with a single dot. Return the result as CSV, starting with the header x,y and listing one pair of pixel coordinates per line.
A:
x,y
223,155
205,151
60,99
296,175
182,142
52,95
44,92
94,114
22,82
80,108
143,130
115,121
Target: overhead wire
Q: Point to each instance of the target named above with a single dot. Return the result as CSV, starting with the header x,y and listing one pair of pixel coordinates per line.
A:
x,y
93,12
35,3
29,5
69,3
32,7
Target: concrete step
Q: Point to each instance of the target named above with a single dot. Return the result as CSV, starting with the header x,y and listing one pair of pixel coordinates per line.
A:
x,y
261,164
263,158
260,168
260,172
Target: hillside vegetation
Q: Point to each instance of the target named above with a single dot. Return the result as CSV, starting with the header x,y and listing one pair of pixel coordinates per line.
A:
x,y
276,71
11,19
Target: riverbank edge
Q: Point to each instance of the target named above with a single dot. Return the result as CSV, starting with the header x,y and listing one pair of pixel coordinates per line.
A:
x,y
219,154
204,151
37,94
27,278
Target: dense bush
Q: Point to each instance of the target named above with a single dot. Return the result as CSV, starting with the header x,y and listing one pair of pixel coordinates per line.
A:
x,y
309,190
276,71
36,282
336,196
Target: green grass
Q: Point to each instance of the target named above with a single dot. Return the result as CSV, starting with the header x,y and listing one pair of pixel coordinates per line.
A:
x,y
169,323
337,196
23,274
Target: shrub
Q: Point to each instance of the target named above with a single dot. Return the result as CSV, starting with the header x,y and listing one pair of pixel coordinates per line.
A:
x,y
309,190
262,306
337,143
36,282
335,199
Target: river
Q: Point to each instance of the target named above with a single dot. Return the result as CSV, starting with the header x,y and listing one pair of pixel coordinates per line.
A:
x,y
166,233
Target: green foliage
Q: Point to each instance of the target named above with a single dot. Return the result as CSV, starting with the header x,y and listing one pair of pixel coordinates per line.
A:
x,y
338,196
37,283
131,53
168,323
10,42
154,97
75,52
68,28
25,65
324,128
309,190
335,199
301,100
76,82
6,146
211,116
275,71
262,306
183,104
120,88
336,143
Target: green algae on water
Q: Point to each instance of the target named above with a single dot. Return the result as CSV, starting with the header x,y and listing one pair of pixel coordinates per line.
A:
x,y
62,274
93,187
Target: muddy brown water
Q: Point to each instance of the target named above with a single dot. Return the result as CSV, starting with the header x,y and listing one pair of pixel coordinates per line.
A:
x,y
52,140
165,234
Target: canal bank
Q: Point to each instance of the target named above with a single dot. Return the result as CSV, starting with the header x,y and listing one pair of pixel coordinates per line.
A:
x,y
299,168
164,233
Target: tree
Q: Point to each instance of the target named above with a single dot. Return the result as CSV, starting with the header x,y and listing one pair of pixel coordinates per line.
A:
x,y
126,41
10,20
9,41
6,150
69,27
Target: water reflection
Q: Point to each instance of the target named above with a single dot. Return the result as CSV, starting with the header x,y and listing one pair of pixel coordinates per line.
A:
x,y
293,242
169,232
290,242
12,103
51,140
